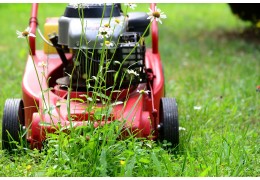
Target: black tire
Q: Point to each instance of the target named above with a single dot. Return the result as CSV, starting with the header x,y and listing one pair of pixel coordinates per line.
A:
x,y
169,125
12,123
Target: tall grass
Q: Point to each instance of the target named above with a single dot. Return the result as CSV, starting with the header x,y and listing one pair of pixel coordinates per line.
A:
x,y
207,63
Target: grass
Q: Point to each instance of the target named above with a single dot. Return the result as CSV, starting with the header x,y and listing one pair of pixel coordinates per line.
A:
x,y
210,61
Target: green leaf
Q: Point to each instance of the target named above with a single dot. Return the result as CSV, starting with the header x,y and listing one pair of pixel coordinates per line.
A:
x,y
144,160
77,99
44,124
101,95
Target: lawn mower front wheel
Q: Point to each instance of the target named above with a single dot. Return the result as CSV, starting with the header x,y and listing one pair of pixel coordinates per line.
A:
x,y
12,123
169,125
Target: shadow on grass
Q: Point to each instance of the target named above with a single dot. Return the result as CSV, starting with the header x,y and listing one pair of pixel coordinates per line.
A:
x,y
249,34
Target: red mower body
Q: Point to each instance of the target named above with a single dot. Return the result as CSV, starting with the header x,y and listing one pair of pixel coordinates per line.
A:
x,y
47,107
138,116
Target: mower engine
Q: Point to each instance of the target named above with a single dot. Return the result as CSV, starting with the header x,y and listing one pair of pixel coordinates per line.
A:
x,y
119,63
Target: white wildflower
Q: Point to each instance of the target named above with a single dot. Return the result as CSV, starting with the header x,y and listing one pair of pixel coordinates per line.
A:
x,y
197,107
104,31
25,33
117,21
157,15
107,44
143,91
182,128
131,5
132,72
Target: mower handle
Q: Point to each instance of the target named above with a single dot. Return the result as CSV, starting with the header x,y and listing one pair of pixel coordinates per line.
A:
x,y
33,22
154,32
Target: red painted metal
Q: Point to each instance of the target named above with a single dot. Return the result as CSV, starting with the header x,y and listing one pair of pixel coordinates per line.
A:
x,y
33,25
154,29
140,112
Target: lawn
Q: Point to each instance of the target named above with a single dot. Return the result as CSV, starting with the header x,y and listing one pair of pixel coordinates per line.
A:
x,y
211,62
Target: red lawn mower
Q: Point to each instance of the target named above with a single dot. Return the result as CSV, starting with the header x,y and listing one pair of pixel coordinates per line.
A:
x,y
57,93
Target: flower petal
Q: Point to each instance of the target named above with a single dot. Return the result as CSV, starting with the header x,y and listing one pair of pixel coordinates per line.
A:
x,y
197,107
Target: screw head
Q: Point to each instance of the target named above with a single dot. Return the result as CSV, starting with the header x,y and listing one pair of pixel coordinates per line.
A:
x,y
159,126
